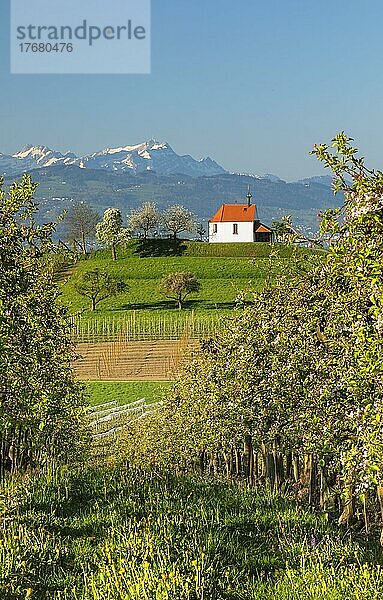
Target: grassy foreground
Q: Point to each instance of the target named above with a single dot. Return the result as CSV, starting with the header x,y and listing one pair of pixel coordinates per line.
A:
x,y
125,391
119,535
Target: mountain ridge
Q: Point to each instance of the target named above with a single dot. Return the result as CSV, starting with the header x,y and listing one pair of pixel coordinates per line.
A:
x,y
150,155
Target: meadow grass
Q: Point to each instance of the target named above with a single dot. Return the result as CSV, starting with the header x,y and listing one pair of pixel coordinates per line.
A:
x,y
100,392
224,271
115,534
222,279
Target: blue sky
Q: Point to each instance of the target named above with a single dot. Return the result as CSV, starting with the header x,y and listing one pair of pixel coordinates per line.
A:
x,y
254,84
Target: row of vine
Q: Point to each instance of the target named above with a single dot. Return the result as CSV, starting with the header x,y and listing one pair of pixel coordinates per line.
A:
x,y
290,392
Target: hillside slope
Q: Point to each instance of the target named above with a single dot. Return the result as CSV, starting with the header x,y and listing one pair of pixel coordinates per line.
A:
x,y
224,271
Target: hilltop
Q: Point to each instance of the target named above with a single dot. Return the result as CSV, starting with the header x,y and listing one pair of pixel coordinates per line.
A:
x,y
224,270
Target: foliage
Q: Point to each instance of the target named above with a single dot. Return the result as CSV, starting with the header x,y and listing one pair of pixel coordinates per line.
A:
x,y
110,232
178,286
144,218
290,391
99,285
177,219
81,220
354,303
201,231
40,404
59,260
128,534
282,229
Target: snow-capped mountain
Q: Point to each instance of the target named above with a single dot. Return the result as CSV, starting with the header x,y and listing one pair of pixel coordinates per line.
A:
x,y
33,157
148,156
152,156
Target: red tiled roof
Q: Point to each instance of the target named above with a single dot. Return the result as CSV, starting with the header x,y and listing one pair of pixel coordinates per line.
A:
x,y
235,213
263,229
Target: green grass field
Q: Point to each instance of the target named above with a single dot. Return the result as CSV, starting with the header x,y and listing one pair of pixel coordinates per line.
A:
x,y
224,270
100,392
116,534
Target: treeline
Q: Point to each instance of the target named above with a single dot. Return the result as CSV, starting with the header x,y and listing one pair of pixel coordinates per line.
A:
x,y
83,225
289,393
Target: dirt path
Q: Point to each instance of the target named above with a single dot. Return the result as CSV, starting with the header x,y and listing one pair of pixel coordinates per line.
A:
x,y
130,361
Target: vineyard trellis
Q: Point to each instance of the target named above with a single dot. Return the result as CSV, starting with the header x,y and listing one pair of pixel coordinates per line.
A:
x,y
137,327
107,420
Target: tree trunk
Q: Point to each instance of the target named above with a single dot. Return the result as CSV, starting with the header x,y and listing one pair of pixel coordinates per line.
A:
x,y
312,479
379,492
289,466
114,255
348,506
83,243
256,466
248,451
93,303
264,464
202,462
324,488
365,511
277,473
226,457
237,462
232,462
296,468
